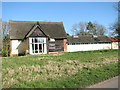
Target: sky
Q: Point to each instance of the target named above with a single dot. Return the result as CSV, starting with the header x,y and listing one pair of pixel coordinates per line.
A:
x,y
67,12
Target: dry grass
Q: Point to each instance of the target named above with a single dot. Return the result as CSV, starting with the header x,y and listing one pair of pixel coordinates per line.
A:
x,y
56,54
53,69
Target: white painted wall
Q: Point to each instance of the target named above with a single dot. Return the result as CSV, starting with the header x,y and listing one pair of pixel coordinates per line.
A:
x,y
114,45
15,44
19,46
87,47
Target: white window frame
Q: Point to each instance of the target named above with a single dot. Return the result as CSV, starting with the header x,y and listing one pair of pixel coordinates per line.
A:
x,y
43,43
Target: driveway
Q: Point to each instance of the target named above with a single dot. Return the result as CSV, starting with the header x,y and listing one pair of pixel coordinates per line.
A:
x,y
111,83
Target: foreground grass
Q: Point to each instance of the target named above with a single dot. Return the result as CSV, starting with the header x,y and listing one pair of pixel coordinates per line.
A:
x,y
61,70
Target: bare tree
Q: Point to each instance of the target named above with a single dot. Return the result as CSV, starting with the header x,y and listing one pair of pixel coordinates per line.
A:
x,y
115,27
75,29
84,28
5,29
6,39
98,29
80,28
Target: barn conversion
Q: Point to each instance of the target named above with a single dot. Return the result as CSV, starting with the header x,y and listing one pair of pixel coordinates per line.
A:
x,y
30,37
87,42
36,37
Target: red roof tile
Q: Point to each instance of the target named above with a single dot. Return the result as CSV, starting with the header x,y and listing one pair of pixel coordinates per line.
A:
x,y
115,39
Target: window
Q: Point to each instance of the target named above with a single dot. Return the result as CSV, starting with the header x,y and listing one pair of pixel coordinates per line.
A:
x,y
114,38
51,46
52,40
37,45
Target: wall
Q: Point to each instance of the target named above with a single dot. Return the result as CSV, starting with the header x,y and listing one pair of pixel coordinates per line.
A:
x,y
52,49
87,47
114,45
65,45
59,45
19,47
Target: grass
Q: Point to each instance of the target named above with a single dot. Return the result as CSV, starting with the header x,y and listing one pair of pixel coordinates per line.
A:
x,y
59,70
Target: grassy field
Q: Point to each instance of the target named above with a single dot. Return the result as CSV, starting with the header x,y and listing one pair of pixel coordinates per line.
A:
x,y
59,70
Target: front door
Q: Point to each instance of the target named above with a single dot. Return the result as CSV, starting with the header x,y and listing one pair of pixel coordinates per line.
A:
x,y
37,45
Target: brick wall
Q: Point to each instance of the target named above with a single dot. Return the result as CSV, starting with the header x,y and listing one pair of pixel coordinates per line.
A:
x,y
65,45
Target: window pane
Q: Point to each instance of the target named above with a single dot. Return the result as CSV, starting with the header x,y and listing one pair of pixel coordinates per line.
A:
x,y
32,40
40,40
32,46
32,51
43,48
40,48
36,40
36,46
36,51
51,46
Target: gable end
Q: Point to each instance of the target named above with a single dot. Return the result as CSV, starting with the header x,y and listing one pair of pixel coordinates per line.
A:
x,y
36,32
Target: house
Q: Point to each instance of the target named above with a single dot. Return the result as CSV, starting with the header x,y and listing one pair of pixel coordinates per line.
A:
x,y
115,42
87,42
36,37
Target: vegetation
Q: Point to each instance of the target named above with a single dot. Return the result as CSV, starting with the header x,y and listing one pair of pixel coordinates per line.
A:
x,y
115,27
59,70
84,28
5,39
6,46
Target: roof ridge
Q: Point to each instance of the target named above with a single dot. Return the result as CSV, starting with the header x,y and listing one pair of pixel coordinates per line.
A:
x,y
35,22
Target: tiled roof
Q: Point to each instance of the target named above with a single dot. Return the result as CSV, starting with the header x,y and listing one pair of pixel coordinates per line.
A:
x,y
88,39
115,39
18,29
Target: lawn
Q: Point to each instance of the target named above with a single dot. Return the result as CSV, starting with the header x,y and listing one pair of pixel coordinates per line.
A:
x,y
59,70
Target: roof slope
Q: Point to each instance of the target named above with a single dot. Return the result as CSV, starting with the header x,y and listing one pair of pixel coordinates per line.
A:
x,y
115,39
19,29
87,39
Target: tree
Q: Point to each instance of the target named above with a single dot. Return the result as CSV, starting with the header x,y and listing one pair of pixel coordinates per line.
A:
x,y
84,28
115,27
6,39
80,28
6,46
91,28
98,29
75,29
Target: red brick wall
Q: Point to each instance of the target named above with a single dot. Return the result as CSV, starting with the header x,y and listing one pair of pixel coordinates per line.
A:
x,y
10,47
65,45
